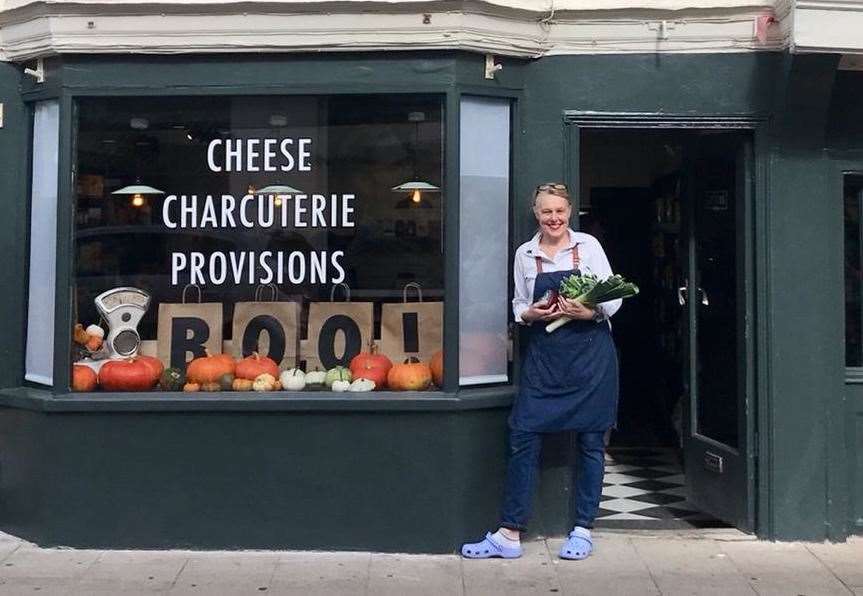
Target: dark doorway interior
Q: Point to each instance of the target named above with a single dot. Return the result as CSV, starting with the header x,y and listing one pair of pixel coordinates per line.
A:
x,y
639,190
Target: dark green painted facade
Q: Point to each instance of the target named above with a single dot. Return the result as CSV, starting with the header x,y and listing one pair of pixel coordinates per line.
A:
x,y
14,149
366,474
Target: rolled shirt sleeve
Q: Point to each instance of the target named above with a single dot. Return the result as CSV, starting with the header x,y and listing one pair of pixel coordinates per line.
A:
x,y
521,294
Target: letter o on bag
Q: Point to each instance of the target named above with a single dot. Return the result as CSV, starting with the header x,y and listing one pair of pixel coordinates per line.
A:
x,y
327,341
275,331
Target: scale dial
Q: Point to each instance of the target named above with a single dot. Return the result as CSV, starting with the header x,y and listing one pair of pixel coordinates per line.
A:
x,y
113,299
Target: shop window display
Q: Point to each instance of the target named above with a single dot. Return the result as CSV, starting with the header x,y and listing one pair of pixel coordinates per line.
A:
x,y
259,243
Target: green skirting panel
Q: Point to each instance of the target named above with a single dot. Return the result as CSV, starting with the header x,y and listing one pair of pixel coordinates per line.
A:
x,y
394,481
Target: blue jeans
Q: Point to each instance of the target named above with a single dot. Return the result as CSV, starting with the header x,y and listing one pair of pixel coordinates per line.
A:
x,y
523,468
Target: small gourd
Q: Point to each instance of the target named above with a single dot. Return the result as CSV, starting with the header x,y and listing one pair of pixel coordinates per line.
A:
x,y
316,380
338,373
242,385
213,386
362,385
172,379
293,379
192,387
340,386
226,382
264,382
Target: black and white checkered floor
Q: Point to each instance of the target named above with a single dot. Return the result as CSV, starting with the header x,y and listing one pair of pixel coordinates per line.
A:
x,y
645,488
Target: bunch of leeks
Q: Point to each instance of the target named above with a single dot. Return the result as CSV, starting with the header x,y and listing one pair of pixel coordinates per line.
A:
x,y
590,291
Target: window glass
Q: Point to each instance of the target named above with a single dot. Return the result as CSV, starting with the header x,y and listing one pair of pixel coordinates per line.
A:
x,y
295,228
484,281
853,194
43,243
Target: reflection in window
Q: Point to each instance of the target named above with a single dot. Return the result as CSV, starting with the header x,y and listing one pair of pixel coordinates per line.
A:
x,y
301,228
853,193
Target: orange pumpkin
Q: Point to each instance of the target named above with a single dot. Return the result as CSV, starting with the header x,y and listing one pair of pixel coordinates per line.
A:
x,y
413,375
252,367
127,375
208,369
372,366
83,378
154,363
436,366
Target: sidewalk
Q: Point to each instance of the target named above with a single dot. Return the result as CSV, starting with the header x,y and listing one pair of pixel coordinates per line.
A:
x,y
626,562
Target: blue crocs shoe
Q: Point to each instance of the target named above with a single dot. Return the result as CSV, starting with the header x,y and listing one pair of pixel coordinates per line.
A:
x,y
488,548
577,547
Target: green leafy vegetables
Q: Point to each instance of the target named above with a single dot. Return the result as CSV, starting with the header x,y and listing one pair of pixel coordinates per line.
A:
x,y
590,291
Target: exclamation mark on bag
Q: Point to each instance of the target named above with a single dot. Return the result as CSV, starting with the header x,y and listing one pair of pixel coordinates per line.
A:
x,y
410,327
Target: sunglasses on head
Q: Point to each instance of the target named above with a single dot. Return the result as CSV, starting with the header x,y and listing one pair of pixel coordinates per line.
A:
x,y
550,186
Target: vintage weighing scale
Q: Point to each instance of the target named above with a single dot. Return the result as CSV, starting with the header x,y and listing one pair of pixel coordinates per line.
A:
x,y
123,309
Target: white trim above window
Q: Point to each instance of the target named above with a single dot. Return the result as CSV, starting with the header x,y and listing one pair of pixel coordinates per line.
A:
x,y
522,28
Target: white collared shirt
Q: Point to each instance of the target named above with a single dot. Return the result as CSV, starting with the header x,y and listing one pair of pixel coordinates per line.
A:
x,y
592,260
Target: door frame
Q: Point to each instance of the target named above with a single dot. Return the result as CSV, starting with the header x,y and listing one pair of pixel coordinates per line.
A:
x,y
761,453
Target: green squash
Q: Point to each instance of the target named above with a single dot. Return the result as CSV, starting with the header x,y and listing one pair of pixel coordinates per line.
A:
x,y
172,379
338,373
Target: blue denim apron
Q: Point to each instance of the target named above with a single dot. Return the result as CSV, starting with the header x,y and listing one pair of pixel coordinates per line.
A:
x,y
569,377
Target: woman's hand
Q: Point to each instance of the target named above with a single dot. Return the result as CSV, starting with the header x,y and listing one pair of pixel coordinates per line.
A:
x,y
540,313
574,309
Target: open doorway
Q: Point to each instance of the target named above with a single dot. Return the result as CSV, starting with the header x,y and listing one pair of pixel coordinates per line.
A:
x,y
662,203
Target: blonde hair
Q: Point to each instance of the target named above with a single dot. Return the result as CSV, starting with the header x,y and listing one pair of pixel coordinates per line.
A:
x,y
557,189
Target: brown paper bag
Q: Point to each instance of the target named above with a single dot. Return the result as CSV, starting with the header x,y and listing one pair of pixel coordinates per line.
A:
x,y
338,331
267,327
185,330
411,328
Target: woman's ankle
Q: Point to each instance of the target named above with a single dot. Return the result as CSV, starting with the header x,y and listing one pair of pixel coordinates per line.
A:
x,y
510,534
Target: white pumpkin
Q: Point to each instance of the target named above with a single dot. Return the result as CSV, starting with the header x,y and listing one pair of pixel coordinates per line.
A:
x,y
316,377
293,379
341,386
361,385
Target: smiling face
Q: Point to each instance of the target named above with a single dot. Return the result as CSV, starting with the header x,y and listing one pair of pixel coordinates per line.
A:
x,y
552,213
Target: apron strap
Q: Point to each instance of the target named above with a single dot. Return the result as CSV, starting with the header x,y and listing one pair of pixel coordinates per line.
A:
x,y
576,260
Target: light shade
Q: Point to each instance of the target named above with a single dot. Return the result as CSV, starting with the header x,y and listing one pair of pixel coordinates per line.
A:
x,y
415,185
278,189
138,189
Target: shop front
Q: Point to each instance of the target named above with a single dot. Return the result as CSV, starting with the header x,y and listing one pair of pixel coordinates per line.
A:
x,y
206,252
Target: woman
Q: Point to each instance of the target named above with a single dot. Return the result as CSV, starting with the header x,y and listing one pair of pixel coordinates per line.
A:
x,y
568,378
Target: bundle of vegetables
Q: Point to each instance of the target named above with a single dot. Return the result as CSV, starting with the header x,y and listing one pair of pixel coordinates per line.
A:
x,y
590,291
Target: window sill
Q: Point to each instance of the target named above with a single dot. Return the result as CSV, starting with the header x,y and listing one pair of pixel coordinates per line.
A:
x,y
43,400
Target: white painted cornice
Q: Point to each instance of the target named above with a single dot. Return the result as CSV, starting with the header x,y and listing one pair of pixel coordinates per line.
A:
x,y
832,26
523,28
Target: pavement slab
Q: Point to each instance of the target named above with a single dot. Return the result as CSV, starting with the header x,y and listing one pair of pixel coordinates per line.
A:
x,y
321,573
614,568
844,560
783,568
533,573
30,562
226,573
414,575
690,566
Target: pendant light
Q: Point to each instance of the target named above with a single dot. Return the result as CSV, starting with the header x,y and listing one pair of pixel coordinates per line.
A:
x,y
138,191
415,187
279,190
